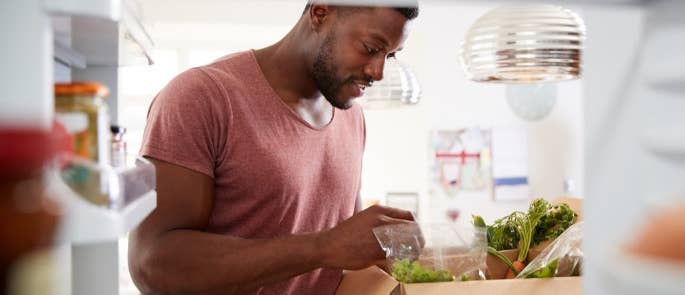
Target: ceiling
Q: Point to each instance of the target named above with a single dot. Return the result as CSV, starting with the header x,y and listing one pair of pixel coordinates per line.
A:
x,y
278,12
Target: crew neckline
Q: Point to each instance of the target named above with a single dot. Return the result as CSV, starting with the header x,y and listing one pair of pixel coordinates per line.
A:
x,y
277,97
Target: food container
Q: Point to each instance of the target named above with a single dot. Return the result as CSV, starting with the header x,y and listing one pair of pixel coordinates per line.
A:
x,y
80,107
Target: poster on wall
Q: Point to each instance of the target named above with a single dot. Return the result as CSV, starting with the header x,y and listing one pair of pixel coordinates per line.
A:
x,y
461,160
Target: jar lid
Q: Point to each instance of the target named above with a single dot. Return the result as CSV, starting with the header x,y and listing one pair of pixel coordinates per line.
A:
x,y
81,88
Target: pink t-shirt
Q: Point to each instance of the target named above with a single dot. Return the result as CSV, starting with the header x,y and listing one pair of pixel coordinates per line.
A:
x,y
274,173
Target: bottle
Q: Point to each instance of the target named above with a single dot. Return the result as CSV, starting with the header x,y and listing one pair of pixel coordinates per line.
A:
x,y
118,152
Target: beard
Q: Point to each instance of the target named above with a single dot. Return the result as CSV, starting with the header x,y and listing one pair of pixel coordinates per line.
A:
x,y
324,75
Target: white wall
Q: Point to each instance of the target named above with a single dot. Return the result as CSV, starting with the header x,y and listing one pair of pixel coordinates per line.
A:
x,y
397,151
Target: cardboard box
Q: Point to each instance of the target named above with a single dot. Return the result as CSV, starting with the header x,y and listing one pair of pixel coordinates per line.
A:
x,y
374,281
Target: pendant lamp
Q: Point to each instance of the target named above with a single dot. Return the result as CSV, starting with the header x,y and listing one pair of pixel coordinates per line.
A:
x,y
399,87
524,44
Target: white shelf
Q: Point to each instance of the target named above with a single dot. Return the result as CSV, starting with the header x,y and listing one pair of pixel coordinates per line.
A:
x,y
104,32
105,9
662,57
631,274
68,57
666,141
102,203
85,223
663,70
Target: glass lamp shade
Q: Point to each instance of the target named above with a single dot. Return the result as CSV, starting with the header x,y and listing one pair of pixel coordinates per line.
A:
x,y
399,87
524,44
532,102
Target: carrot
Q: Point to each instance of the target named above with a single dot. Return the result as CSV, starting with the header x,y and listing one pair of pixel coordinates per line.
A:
x,y
519,266
525,227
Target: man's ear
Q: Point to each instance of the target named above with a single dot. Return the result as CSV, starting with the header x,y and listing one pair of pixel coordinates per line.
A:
x,y
318,15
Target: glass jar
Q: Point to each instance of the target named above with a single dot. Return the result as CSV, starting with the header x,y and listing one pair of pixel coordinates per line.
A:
x,y
81,108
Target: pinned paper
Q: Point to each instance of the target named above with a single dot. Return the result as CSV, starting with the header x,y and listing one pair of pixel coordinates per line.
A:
x,y
510,163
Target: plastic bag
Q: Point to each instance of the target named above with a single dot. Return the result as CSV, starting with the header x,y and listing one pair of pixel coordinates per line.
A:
x,y
562,258
433,252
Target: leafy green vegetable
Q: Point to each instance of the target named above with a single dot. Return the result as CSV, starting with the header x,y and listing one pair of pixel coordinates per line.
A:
x,y
502,234
478,221
548,271
526,223
552,221
555,221
465,278
406,271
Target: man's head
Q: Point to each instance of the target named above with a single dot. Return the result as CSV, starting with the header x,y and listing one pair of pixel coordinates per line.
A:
x,y
350,45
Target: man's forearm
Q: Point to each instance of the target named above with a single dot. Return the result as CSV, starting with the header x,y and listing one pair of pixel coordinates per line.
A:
x,y
188,262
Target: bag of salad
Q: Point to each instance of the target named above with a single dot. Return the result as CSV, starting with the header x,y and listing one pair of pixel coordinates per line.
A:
x,y
420,253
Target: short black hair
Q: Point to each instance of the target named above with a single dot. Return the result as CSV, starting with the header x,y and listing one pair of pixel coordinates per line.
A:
x,y
410,12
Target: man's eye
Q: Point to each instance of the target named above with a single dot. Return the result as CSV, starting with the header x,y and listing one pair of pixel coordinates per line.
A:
x,y
370,50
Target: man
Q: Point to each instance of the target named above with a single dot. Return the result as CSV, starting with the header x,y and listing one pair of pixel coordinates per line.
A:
x,y
258,159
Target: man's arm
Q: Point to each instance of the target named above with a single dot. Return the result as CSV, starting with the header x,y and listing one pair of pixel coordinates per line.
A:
x,y
170,254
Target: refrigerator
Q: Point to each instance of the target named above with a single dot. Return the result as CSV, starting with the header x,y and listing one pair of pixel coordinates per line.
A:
x,y
633,128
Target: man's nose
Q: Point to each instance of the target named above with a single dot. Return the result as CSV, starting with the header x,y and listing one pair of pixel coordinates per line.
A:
x,y
375,69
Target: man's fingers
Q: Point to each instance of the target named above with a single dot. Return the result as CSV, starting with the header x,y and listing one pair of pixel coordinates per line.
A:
x,y
391,220
398,213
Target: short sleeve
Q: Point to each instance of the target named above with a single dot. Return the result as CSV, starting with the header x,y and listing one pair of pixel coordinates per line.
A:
x,y
187,123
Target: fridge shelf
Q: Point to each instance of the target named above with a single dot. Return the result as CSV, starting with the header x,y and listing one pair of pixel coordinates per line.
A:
x,y
104,32
102,203
85,223
69,57
661,57
665,141
113,10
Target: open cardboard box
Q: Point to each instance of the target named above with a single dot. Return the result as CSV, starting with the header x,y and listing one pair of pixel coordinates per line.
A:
x,y
374,281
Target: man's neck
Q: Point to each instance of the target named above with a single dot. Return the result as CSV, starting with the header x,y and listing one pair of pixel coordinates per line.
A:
x,y
285,68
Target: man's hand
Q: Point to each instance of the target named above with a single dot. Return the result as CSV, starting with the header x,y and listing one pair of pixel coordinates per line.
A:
x,y
352,245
